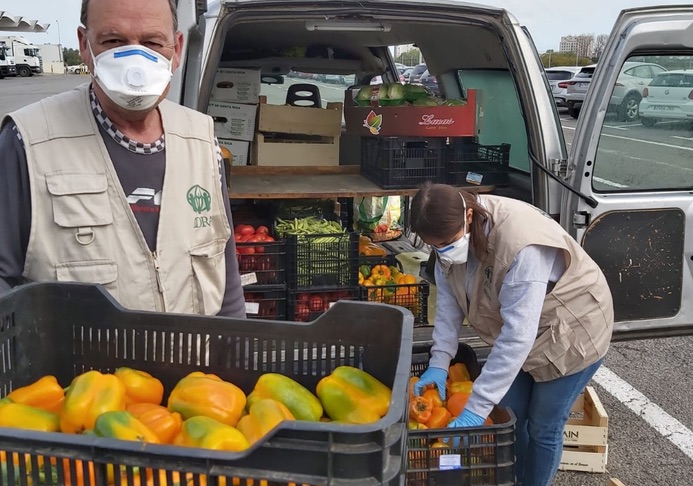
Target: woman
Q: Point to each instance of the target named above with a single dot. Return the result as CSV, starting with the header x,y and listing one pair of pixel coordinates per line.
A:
x,y
534,295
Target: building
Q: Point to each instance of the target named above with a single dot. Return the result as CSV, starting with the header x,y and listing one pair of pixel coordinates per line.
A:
x,y
52,59
582,44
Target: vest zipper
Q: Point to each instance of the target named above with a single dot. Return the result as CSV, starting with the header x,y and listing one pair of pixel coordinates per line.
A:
x,y
159,281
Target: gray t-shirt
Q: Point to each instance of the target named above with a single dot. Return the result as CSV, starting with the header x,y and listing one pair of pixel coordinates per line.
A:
x,y
141,176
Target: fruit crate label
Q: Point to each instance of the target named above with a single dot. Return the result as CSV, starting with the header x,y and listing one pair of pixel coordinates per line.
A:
x,y
252,308
248,279
474,178
449,461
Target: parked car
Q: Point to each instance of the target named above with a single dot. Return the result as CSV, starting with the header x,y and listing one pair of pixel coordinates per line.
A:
x,y
669,96
430,82
334,79
406,73
576,89
557,74
78,69
632,81
417,72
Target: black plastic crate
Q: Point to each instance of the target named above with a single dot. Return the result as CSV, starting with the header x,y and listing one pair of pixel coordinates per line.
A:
x,y
308,305
263,303
66,329
410,296
469,163
329,260
402,162
486,453
262,263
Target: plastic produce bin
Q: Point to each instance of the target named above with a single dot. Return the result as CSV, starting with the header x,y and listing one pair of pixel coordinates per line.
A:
x,y
66,329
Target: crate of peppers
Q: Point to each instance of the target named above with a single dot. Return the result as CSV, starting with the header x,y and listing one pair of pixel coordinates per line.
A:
x,y
389,285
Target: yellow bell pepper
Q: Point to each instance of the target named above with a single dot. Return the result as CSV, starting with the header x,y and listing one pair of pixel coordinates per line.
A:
x,y
122,425
265,414
207,433
140,386
298,399
19,416
353,396
458,372
45,393
381,271
90,394
208,395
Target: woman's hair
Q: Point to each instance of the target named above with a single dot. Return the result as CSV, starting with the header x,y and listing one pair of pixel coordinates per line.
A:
x,y
437,211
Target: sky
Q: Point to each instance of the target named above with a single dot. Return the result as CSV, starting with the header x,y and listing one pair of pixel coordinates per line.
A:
x,y
547,20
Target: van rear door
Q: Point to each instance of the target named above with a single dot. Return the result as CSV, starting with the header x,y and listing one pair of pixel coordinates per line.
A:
x,y
640,174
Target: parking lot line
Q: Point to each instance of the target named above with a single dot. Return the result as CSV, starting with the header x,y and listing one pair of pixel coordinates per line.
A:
x,y
609,183
669,427
623,127
650,142
682,138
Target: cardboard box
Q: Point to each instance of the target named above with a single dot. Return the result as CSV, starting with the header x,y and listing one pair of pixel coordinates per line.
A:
x,y
236,85
296,152
300,120
239,149
413,121
233,120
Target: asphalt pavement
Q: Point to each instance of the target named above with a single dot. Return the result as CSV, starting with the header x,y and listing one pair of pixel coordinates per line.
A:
x,y
645,386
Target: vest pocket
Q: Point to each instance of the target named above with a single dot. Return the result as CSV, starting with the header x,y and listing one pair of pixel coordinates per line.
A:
x,y
209,276
103,272
79,200
556,352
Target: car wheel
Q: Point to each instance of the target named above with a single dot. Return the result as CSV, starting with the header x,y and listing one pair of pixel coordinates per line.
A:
x,y
24,71
573,111
648,122
628,111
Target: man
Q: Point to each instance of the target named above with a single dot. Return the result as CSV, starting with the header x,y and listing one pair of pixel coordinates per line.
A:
x,y
112,184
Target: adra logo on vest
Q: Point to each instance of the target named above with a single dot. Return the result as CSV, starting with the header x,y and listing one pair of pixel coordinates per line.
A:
x,y
201,201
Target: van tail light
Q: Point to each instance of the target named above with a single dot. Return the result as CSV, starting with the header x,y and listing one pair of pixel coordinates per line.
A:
x,y
690,95
645,93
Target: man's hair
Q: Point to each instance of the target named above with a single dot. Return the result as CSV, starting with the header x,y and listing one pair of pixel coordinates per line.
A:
x,y
172,4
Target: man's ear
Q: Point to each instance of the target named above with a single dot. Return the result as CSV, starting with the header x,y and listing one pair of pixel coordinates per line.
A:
x,y
178,51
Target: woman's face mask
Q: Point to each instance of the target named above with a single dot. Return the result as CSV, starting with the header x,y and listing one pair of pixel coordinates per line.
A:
x,y
134,77
456,252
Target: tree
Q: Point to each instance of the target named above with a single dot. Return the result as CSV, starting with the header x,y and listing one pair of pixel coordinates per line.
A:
x,y
410,57
563,59
71,56
599,45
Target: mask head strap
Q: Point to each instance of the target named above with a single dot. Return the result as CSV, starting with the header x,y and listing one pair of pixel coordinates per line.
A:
x,y
464,205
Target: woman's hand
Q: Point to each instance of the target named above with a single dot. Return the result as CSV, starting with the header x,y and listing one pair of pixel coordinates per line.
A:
x,y
432,376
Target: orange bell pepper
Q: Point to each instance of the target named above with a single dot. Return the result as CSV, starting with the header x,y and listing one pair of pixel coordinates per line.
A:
x,y
45,393
434,397
460,386
440,417
456,403
381,271
140,386
459,372
207,395
420,409
265,414
160,420
90,394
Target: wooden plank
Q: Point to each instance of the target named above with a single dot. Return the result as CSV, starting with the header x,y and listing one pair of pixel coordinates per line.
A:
x,y
594,405
583,461
300,120
290,153
615,482
585,435
300,170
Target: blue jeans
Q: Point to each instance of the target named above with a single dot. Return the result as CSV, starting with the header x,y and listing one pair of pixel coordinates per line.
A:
x,y
542,409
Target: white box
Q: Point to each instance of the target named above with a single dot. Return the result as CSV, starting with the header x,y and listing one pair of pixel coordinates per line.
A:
x,y
239,149
233,120
236,85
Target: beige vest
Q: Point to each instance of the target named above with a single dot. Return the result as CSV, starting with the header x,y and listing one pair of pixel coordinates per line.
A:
x,y
577,317
83,229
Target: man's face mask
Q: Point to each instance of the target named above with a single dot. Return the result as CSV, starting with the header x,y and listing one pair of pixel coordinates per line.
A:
x,y
134,77
456,252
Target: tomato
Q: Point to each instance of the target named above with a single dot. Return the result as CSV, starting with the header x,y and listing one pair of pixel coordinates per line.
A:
x,y
316,303
302,312
303,298
237,237
246,250
244,229
247,263
245,238
262,230
268,238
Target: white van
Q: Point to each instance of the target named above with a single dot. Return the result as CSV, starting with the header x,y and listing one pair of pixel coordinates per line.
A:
x,y
625,193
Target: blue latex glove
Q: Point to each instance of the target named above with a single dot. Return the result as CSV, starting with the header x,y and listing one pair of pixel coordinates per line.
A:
x,y
465,419
432,376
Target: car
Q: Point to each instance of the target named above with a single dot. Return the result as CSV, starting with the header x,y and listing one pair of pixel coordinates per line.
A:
x,y
669,96
334,79
632,80
417,72
576,89
430,81
406,73
78,69
557,74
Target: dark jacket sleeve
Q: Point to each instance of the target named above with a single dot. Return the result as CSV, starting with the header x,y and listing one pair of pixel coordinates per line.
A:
x,y
233,304
15,207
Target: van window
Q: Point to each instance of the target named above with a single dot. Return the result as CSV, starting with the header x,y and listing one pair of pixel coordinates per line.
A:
x,y
645,143
330,87
558,75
